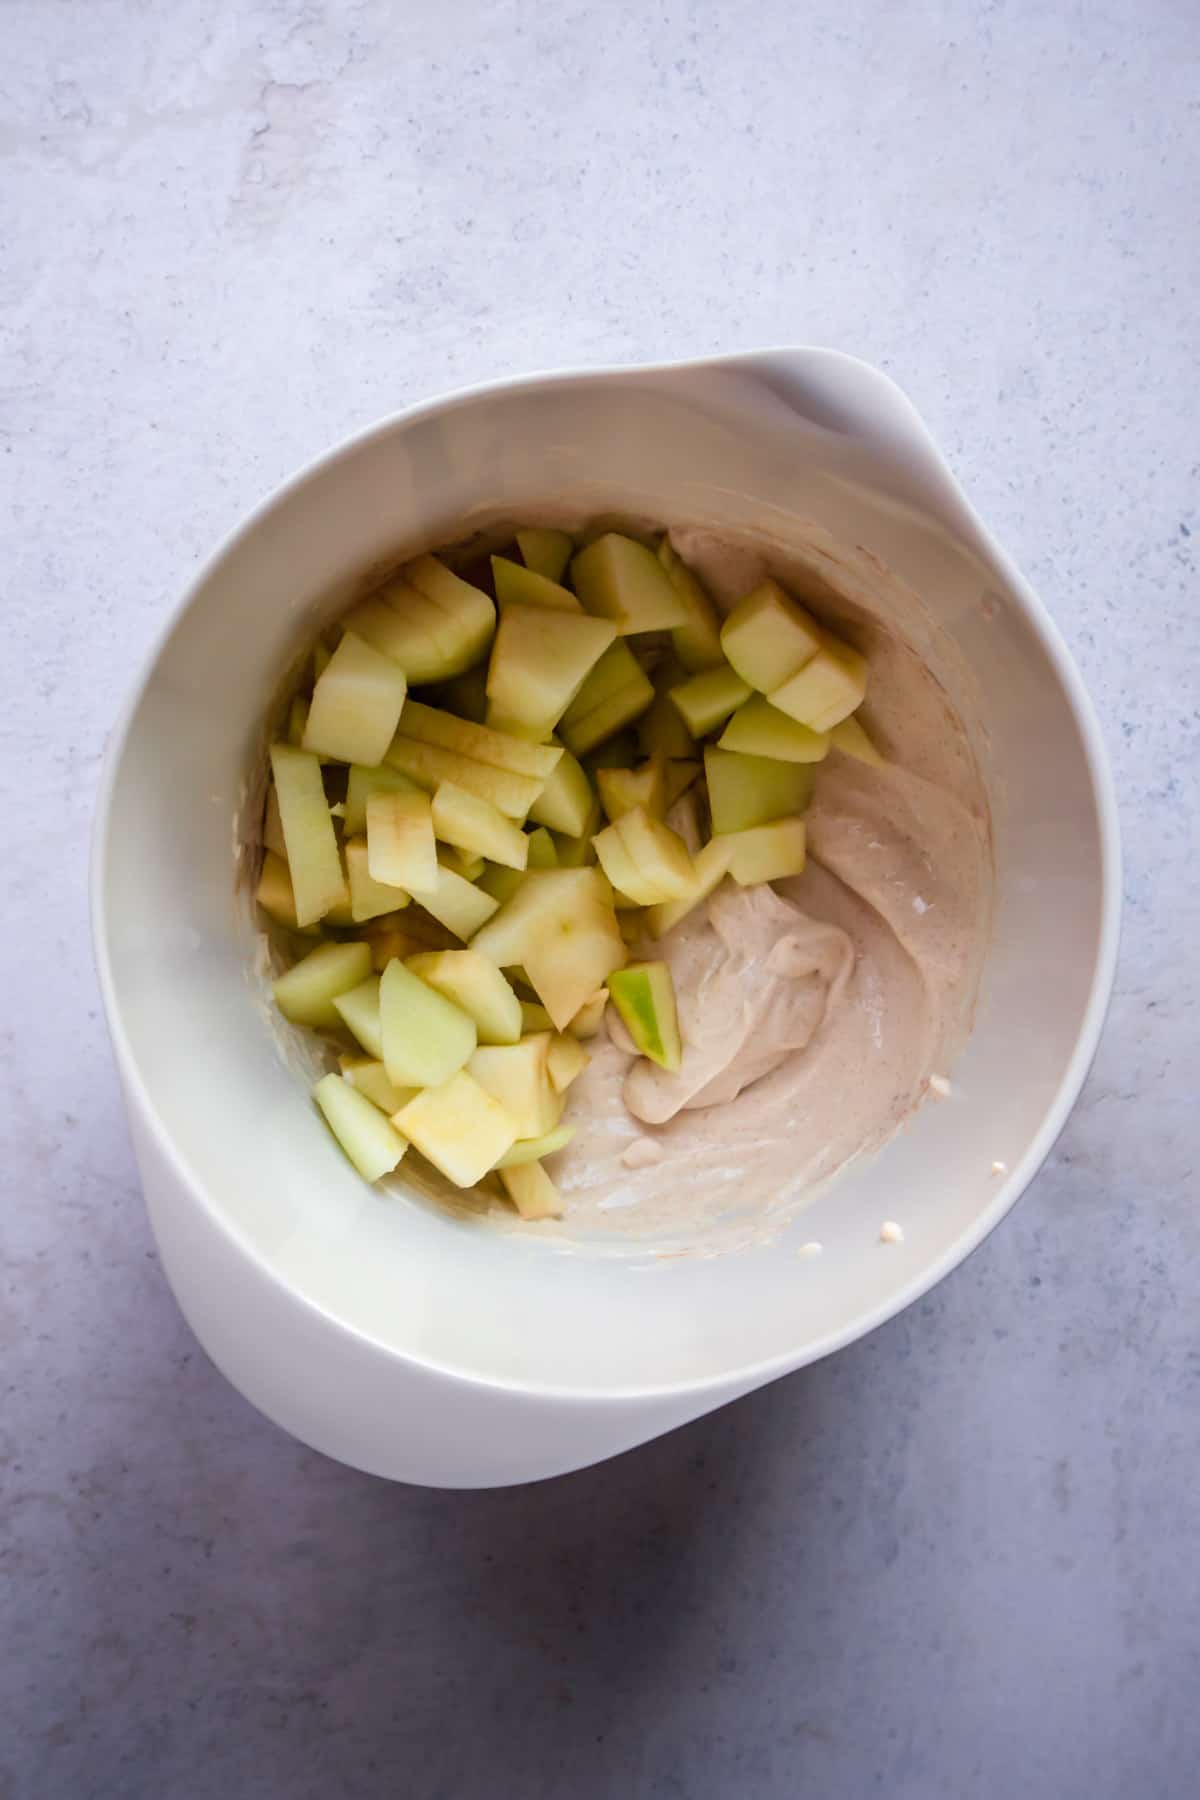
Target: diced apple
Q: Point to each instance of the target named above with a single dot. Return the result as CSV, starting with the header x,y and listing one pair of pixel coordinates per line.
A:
x,y
431,725
272,831
518,1076
531,1191
617,691
370,1077
540,660
851,738
475,984
767,852
459,1127
470,617
588,1019
458,904
541,851
476,825
645,859
274,893
534,1017
575,852
362,782
644,995
499,882
528,1150
711,864
403,624
314,862
566,1059
560,925
768,636
369,899
760,729
461,862
565,803
401,848
545,551
697,641
306,993
356,704
391,941
618,578
518,585
428,765
617,752
752,790
709,697
623,789
680,776
373,1145
661,728
426,1038
358,1010
827,689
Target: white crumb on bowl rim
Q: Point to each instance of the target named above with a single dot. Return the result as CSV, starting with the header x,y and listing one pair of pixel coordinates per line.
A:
x,y
891,1233
939,1085
999,1168
810,1249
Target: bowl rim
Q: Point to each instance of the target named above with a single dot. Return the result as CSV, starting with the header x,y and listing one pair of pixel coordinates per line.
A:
x,y
741,1377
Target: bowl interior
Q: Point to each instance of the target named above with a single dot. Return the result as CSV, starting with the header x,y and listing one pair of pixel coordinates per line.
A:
x,y
810,446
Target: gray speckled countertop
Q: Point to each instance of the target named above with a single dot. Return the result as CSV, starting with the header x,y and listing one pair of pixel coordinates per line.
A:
x,y
959,1559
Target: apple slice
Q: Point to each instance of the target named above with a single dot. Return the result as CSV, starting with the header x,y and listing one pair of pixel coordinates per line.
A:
x,y
373,1145
534,1017
401,848
476,985
575,852
697,642
461,862
618,578
542,854
272,831
518,1076
680,776
432,725
617,691
468,614
392,941
540,660
522,586
369,899
274,893
426,1038
589,1018
768,637
560,925
760,729
706,699
827,689
531,1190
851,738
545,551
402,624
314,862
428,765
499,882
645,859
361,782
306,993
644,995
565,803
767,852
752,790
358,1010
711,864
566,1059
459,1127
458,904
356,704
370,1077
474,824
527,1150
623,789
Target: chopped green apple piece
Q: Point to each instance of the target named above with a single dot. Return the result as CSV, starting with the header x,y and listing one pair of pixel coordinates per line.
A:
x,y
760,729
358,1011
314,861
369,1076
661,728
306,993
426,1038
468,614
574,852
540,845
272,831
561,926
403,624
461,862
565,803
521,586
528,1150
645,859
431,725
851,738
474,824
545,551
459,1127
697,641
428,765
617,691
767,852
531,1190
827,689
458,904
644,995
369,899
356,704
475,984
401,848
707,698
360,784
274,892
566,1059
540,660
588,1019
534,1017
499,882
680,776
623,789
373,1145
518,1076
711,864
752,790
768,636
617,578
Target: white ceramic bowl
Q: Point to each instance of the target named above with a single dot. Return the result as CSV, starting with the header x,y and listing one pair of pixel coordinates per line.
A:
x,y
420,1347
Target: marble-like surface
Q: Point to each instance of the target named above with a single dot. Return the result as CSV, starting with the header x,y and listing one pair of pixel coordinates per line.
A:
x,y
960,1559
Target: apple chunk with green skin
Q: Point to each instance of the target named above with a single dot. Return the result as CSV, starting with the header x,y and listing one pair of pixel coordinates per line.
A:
x,y
531,1190
314,861
760,729
373,1145
540,660
356,704
644,995
401,848
827,689
476,985
617,691
561,927
518,1076
767,637
426,1038
618,578
752,790
546,552
527,1150
767,852
475,825
459,1127
520,586
709,697
697,642
306,993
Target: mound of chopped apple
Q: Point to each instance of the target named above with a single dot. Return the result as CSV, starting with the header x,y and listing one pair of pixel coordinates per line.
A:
x,y
457,876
